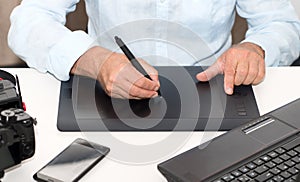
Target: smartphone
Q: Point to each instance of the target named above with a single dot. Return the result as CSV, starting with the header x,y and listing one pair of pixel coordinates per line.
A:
x,y
73,162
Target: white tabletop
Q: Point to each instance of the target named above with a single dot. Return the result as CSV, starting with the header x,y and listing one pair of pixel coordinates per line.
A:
x,y
41,94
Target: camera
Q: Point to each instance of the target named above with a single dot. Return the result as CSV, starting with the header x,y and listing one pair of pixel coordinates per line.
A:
x,y
17,141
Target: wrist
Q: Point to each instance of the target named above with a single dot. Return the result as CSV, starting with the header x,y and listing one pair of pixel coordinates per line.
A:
x,y
90,62
259,50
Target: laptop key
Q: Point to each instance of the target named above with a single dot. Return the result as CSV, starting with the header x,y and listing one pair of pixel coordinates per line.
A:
x,y
228,177
258,162
290,180
285,174
275,171
280,150
270,164
236,173
278,178
272,154
251,166
297,149
243,178
265,158
292,153
252,174
282,167
296,159
293,171
290,163
277,160
285,157
261,169
244,169
218,180
264,176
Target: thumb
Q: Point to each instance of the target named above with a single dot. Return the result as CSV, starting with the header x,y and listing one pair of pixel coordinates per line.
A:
x,y
210,72
152,72
155,78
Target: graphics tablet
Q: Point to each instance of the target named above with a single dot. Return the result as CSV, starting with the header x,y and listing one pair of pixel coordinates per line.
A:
x,y
185,105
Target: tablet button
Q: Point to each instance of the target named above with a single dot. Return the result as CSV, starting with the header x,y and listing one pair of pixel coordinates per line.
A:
x,y
242,113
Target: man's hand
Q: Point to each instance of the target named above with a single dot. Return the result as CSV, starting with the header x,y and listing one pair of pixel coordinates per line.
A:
x,y
241,64
116,74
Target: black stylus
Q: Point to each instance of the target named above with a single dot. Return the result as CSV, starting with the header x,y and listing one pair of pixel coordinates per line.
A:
x,y
132,59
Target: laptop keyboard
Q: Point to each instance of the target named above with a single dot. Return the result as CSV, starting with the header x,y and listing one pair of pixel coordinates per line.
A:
x,y
280,164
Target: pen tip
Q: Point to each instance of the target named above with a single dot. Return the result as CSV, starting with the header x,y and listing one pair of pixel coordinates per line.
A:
x,y
116,38
158,99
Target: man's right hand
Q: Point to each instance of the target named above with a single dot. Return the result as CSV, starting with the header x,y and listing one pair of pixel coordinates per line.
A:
x,y
116,74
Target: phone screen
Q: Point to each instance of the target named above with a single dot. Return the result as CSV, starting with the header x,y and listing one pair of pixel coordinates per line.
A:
x,y
72,163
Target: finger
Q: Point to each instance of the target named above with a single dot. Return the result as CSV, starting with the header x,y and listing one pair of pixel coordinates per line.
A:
x,y
241,71
155,78
252,71
131,75
141,93
145,83
134,91
124,92
261,72
121,94
152,72
149,84
123,82
211,72
229,74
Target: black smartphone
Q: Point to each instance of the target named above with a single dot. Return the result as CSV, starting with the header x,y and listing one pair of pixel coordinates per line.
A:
x,y
73,162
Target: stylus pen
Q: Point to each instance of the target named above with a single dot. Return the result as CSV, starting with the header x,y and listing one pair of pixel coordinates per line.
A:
x,y
132,59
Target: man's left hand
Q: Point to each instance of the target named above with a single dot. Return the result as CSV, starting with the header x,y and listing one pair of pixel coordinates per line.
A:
x,y
241,64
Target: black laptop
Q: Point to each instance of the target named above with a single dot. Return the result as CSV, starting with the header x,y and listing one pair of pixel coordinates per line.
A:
x,y
264,149
186,105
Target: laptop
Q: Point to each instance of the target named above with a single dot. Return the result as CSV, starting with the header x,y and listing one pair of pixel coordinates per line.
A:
x,y
185,105
264,149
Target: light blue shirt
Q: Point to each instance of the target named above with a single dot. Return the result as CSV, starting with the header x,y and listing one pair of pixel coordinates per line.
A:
x,y
162,32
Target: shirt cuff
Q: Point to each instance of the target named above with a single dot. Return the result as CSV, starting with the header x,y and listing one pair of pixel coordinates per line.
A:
x,y
66,52
272,53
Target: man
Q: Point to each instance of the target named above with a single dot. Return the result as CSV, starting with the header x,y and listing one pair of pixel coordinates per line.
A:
x,y
39,37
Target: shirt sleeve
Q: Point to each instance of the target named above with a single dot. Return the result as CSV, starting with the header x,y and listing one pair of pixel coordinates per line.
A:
x,y
273,25
38,36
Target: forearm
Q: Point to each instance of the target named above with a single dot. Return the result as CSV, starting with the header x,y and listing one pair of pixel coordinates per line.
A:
x,y
39,37
274,26
280,43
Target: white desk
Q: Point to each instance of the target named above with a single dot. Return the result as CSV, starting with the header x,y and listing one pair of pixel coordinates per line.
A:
x,y
41,93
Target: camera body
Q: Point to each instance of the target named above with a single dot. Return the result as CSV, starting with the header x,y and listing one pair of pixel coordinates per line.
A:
x,y
17,140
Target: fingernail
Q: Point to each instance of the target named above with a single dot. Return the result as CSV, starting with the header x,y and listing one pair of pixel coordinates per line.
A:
x,y
229,91
158,83
156,88
155,95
